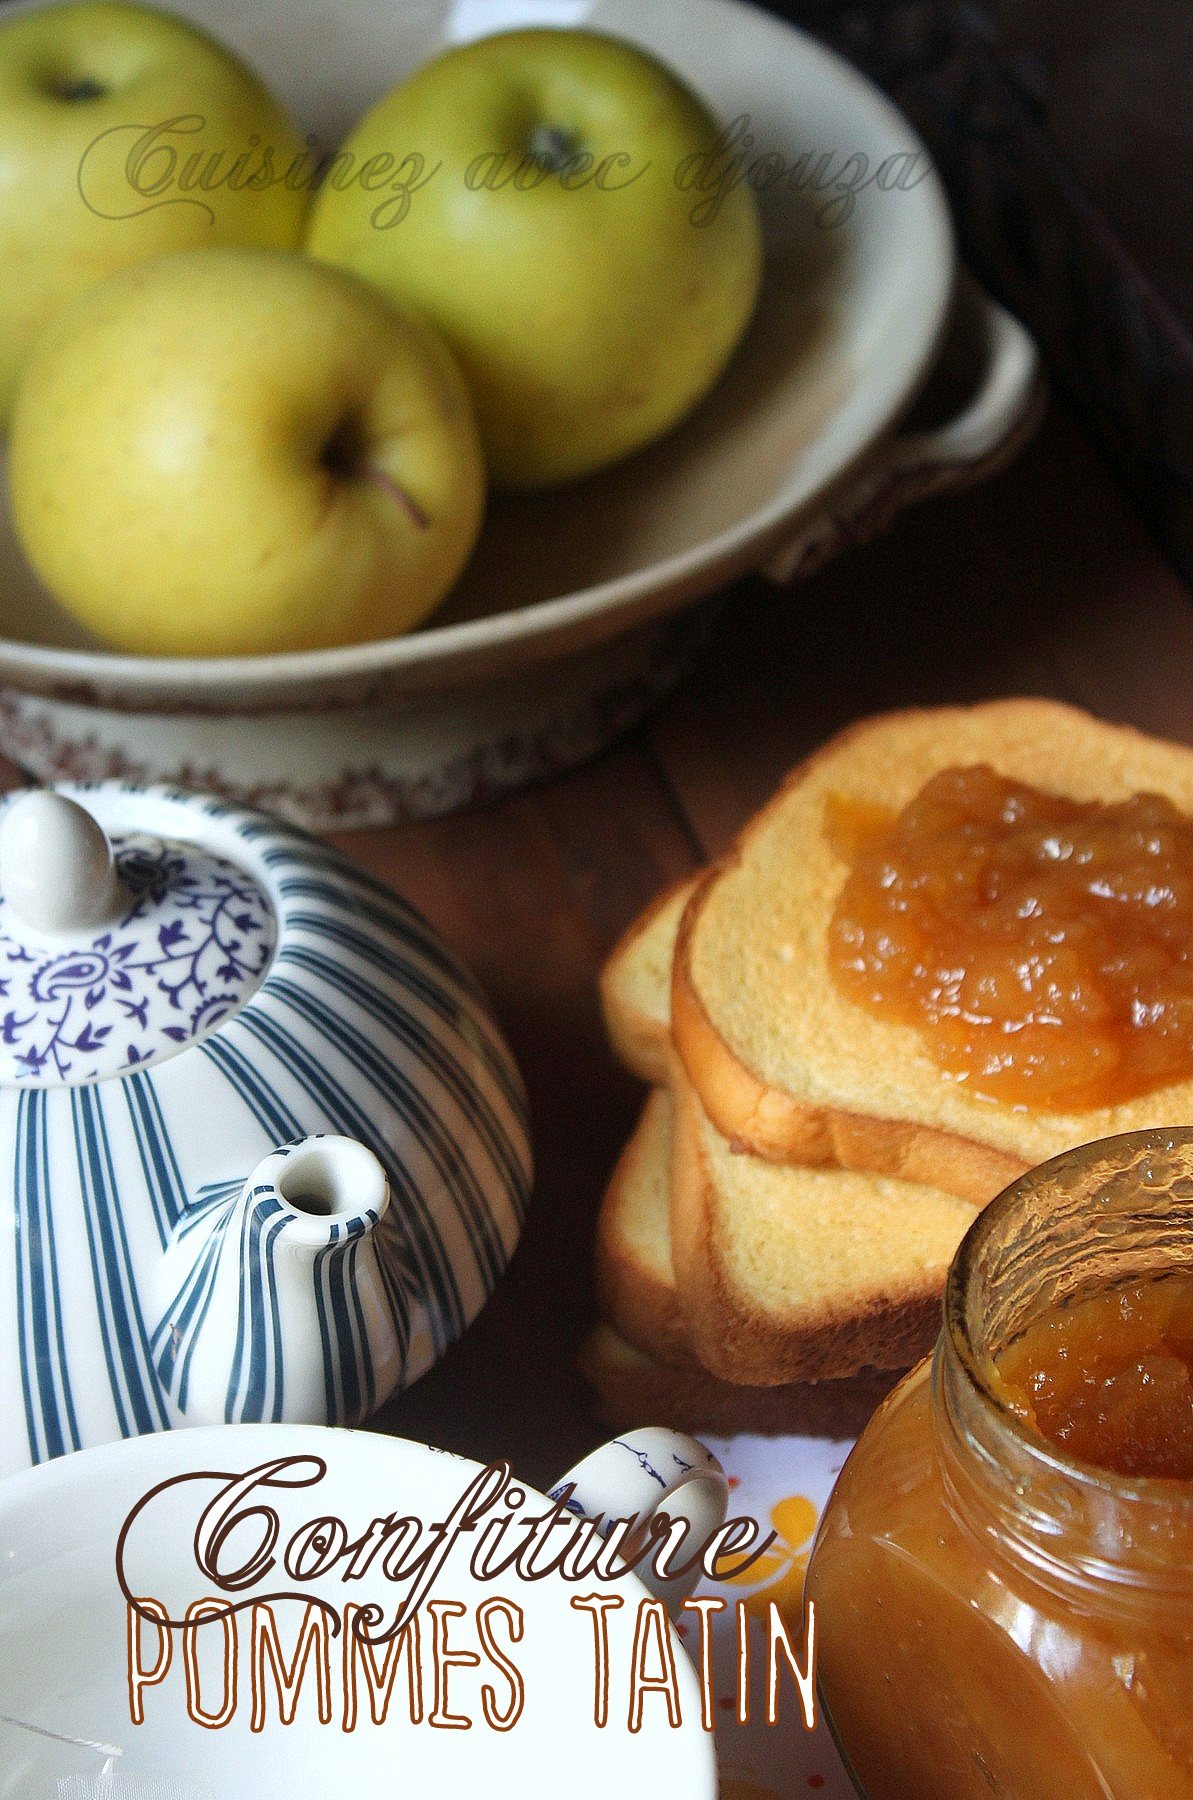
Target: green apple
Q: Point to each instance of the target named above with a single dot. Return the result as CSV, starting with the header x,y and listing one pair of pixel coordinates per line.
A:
x,y
125,133
548,230
238,451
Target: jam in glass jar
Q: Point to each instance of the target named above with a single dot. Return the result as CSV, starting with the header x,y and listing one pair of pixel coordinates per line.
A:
x,y
996,1615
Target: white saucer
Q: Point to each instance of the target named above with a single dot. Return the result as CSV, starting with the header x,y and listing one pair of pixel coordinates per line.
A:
x,y
64,1662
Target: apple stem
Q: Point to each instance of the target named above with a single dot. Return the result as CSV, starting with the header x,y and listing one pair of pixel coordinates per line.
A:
x,y
552,147
387,485
83,87
343,456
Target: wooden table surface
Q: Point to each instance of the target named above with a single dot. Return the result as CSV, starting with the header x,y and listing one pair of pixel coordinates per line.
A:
x,y
1043,581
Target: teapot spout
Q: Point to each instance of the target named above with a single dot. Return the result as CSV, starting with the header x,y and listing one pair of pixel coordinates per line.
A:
x,y
280,1297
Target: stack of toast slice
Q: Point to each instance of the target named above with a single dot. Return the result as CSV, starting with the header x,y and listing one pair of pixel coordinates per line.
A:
x,y
773,1244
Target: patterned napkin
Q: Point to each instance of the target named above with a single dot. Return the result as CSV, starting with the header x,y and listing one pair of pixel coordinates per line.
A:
x,y
783,1483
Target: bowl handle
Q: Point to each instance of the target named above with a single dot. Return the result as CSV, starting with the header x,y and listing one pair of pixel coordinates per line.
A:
x,y
645,1472
996,420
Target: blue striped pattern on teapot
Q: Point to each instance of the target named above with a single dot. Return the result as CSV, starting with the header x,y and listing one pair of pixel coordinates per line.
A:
x,y
365,1026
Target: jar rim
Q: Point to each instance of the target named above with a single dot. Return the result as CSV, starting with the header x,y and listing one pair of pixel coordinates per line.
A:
x,y
1168,1489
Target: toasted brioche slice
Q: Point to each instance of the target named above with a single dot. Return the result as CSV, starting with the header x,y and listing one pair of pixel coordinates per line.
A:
x,y
632,1390
786,1066
636,985
793,1274
635,1278
785,1274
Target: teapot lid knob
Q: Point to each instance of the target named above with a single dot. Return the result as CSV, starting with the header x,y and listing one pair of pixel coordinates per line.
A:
x,y
57,872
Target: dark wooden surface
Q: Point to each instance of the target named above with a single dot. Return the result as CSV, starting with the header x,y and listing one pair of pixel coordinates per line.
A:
x,y
1044,581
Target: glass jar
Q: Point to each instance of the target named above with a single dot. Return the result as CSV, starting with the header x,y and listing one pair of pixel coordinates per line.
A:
x,y
993,1617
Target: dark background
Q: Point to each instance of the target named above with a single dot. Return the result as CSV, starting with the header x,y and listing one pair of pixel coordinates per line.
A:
x,y
1062,129
1110,80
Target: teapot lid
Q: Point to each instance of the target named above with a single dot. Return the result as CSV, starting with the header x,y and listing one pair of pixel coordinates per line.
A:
x,y
116,948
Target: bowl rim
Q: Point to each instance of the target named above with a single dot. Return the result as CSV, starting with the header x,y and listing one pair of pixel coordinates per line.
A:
x,y
603,607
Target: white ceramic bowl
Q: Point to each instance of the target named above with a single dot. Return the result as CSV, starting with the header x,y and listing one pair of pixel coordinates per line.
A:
x,y
65,1700
556,636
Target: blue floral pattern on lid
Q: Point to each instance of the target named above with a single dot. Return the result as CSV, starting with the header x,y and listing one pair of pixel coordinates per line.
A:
x,y
194,938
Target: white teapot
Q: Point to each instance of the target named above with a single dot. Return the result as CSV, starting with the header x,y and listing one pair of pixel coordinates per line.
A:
x,y
264,1152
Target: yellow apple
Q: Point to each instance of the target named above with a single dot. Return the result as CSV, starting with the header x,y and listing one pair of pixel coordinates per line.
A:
x,y
124,133
548,227
236,451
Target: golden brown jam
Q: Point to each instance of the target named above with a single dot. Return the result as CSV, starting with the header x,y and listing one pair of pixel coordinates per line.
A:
x,y
1110,1379
1042,946
951,1673
994,1619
